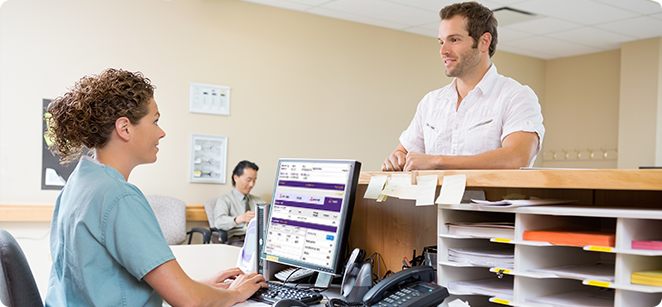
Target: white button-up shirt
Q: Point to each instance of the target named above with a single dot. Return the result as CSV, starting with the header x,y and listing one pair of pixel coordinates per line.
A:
x,y
495,108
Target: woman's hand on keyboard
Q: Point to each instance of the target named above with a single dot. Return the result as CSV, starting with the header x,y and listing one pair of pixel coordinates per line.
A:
x,y
223,279
247,284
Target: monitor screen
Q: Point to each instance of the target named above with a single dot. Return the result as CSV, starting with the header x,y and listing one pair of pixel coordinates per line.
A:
x,y
311,212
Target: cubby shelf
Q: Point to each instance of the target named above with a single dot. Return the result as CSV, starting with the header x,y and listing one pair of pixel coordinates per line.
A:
x,y
631,212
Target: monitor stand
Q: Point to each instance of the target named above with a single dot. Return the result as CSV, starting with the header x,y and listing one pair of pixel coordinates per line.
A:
x,y
323,280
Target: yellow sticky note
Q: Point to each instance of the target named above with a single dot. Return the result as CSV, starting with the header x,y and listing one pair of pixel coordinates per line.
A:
x,y
598,283
500,301
600,249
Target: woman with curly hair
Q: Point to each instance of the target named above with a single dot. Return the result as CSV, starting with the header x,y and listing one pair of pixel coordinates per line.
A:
x,y
106,244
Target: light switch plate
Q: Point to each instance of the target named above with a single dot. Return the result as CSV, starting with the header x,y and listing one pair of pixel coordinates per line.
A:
x,y
209,99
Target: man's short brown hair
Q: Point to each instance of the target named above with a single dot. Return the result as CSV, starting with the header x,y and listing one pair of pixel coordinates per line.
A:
x,y
480,20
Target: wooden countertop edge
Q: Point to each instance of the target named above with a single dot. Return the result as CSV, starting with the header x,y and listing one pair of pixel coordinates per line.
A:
x,y
604,179
44,212
611,179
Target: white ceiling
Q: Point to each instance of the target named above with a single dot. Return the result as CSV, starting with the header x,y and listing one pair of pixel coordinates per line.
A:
x,y
561,28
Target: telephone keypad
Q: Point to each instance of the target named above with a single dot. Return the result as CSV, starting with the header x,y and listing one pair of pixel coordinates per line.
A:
x,y
414,295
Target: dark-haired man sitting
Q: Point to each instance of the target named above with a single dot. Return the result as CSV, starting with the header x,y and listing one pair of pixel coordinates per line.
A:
x,y
236,208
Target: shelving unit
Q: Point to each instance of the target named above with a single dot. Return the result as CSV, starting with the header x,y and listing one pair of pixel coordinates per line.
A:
x,y
627,201
632,212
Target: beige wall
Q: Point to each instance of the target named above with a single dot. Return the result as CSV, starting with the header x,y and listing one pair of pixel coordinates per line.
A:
x,y
581,113
302,85
640,136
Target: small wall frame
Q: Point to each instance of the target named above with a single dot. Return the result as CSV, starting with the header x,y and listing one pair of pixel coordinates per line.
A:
x,y
210,99
208,158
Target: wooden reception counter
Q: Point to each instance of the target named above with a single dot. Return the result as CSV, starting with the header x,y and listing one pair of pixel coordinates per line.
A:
x,y
396,227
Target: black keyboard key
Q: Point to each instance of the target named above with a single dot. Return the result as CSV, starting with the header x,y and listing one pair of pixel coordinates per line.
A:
x,y
278,291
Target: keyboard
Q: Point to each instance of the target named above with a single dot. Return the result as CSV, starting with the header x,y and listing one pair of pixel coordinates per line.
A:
x,y
293,274
278,291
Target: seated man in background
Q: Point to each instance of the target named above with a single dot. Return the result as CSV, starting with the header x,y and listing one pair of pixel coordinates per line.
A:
x,y
236,208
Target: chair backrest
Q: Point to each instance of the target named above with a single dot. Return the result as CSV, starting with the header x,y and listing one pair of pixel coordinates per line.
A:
x,y
171,214
209,209
17,285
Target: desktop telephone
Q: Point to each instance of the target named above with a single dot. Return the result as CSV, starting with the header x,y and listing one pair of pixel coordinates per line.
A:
x,y
410,287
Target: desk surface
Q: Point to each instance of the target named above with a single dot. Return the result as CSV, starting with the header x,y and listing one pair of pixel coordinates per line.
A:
x,y
199,260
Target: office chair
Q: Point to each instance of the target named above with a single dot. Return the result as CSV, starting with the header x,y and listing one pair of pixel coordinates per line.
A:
x,y
171,214
17,285
209,209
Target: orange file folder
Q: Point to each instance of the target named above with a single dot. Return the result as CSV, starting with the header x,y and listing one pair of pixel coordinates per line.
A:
x,y
564,236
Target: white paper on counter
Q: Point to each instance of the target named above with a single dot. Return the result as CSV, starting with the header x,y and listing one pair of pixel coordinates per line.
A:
x,y
452,189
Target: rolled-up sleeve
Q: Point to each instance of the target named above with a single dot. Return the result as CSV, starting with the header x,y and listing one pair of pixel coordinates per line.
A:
x,y
524,114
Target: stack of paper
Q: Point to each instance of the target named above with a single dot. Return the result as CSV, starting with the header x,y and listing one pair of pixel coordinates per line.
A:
x,y
651,278
500,288
505,230
510,203
593,271
651,245
564,236
497,257
597,297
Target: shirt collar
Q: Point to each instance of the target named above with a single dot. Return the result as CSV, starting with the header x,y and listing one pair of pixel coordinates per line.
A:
x,y
110,170
485,85
238,194
93,160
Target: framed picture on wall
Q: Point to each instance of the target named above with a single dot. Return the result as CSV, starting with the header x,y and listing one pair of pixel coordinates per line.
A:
x,y
208,158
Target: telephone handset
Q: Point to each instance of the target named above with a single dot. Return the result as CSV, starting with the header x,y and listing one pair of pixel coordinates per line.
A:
x,y
410,287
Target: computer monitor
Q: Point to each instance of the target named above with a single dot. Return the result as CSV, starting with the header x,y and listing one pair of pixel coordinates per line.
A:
x,y
310,215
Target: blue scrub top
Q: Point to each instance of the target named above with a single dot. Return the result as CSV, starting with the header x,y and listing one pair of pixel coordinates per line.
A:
x,y
104,240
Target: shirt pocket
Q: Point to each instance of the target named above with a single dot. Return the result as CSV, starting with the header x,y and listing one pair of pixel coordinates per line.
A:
x,y
484,135
431,133
481,124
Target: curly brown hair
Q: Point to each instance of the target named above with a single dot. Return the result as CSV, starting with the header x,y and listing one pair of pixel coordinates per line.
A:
x,y
480,20
85,116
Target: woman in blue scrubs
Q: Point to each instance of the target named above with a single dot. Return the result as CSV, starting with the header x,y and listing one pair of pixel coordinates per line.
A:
x,y
106,244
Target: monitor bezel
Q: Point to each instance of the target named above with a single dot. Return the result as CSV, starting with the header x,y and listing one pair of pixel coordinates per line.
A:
x,y
347,212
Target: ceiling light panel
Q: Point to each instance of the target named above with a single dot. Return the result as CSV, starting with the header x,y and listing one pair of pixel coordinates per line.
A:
x,y
544,26
508,34
640,6
357,18
552,46
586,12
641,27
387,11
594,37
523,51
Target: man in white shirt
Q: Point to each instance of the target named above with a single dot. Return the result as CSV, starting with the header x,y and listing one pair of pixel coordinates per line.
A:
x,y
482,120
